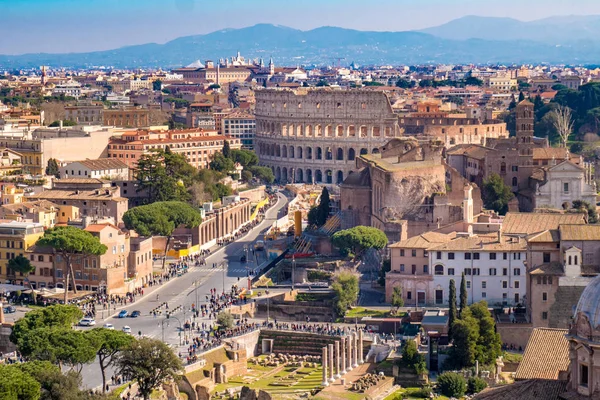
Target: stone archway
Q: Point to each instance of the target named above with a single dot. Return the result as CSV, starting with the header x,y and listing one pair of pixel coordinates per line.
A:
x,y
309,176
351,154
278,174
328,176
318,176
364,151
340,177
339,154
284,174
299,175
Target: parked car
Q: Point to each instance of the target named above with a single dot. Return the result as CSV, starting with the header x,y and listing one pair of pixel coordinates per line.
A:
x,y
87,322
10,310
123,314
135,314
109,326
126,329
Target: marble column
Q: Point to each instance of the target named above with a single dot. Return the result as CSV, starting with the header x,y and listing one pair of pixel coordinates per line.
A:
x,y
324,365
354,350
361,352
349,351
337,360
331,376
344,366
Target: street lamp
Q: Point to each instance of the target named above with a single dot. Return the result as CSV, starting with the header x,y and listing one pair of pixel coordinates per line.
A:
x,y
163,327
293,269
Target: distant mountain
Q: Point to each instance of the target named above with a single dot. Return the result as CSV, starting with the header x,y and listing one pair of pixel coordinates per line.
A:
x,y
553,30
325,45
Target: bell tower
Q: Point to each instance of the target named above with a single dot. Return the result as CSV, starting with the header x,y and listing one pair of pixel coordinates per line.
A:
x,y
524,122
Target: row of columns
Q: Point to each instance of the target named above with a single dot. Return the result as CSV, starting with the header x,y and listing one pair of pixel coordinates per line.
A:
x,y
341,357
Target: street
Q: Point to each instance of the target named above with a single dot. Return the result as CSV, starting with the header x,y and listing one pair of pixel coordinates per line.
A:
x,y
180,292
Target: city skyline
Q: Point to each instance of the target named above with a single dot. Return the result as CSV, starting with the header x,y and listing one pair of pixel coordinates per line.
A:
x,y
96,26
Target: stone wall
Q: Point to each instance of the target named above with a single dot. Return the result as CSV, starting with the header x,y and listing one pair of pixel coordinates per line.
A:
x,y
249,342
515,334
6,346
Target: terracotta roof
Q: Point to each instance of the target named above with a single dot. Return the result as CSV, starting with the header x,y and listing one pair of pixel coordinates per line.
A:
x,y
102,163
579,232
482,243
546,355
424,241
80,181
547,153
532,389
529,223
73,195
472,150
551,268
31,206
548,236
99,227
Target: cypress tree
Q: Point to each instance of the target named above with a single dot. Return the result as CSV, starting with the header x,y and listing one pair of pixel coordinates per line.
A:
x,y
324,206
521,97
463,293
226,149
453,312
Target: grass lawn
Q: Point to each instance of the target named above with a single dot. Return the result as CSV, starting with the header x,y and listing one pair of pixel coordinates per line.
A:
x,y
406,394
359,312
507,356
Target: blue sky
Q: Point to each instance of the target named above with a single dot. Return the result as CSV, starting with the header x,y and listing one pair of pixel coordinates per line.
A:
x,y
88,25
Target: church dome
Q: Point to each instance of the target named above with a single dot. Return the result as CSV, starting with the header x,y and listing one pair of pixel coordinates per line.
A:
x,y
589,303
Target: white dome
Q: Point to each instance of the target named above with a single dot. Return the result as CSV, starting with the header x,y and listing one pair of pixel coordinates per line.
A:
x,y
589,303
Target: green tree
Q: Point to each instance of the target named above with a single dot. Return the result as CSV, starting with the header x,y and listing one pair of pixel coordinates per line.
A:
x,y
521,97
588,208
463,294
17,385
489,344
157,85
71,244
66,122
226,149
110,343
345,287
324,207
465,335
164,176
23,265
476,385
265,174
386,266
452,313
412,359
452,384
322,83
397,299
356,240
246,176
221,163
150,362
472,81
161,219
225,320
246,158
52,168
405,83
62,316
54,384
496,195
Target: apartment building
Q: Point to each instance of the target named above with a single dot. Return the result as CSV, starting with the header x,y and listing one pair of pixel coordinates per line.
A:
x,y
196,145
242,126
15,239
102,168
88,114
126,117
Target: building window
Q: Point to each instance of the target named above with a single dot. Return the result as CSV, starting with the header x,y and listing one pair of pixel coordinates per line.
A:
x,y
401,252
409,295
566,187
438,256
492,256
451,271
505,256
483,295
413,252
544,315
584,375
483,284
414,269
439,270
504,285
492,271
467,256
504,271
450,256
425,269
546,257
517,284
439,296
401,267
468,284
516,271
544,296
475,256
476,271
467,271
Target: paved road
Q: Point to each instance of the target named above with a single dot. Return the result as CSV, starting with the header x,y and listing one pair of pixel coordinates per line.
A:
x,y
180,291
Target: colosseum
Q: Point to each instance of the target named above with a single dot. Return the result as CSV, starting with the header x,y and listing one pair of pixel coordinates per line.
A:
x,y
314,135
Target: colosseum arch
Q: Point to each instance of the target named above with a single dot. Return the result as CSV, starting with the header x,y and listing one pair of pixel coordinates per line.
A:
x,y
318,176
291,131
339,131
363,131
299,130
339,154
284,174
319,153
376,131
278,174
299,152
351,131
340,177
284,152
329,131
351,154
284,130
278,151
308,130
364,151
328,153
309,176
299,175
388,131
319,130
328,176
291,152
375,150
272,149
309,153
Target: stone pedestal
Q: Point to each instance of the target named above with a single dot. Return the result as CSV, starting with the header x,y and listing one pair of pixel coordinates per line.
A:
x,y
331,374
324,364
361,351
337,361
343,353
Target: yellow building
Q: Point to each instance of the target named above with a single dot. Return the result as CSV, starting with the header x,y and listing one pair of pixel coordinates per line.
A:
x,y
12,195
15,239
67,213
41,211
